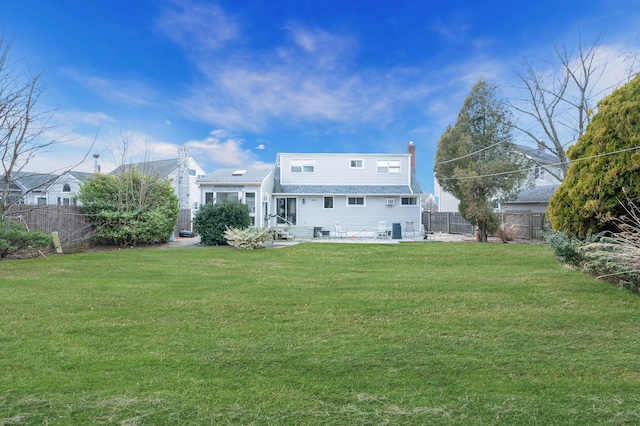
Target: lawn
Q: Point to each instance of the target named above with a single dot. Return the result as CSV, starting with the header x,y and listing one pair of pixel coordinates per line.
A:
x,y
353,334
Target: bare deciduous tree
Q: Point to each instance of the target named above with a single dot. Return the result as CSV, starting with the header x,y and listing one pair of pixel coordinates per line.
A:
x,y
559,100
23,125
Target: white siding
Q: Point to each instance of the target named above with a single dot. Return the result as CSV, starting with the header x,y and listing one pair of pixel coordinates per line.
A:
x,y
355,219
334,169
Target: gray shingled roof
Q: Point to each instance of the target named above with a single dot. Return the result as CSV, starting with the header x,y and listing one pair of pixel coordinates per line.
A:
x,y
33,180
278,188
344,189
161,168
81,176
536,194
226,177
537,155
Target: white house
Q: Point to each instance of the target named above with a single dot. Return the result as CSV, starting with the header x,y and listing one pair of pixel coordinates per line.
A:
x,y
534,198
250,186
345,193
310,193
46,188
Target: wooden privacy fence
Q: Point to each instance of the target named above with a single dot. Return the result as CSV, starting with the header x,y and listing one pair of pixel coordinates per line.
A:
x,y
446,222
184,221
528,225
72,226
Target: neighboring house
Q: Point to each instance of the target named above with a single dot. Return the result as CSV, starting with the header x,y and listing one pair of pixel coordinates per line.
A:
x,y
534,199
251,186
183,172
64,189
47,188
530,197
357,190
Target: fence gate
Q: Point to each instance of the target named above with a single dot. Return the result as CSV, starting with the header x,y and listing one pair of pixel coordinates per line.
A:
x,y
184,221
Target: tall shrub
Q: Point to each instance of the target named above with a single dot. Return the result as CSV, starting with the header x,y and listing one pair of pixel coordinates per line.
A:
x,y
212,220
604,163
130,207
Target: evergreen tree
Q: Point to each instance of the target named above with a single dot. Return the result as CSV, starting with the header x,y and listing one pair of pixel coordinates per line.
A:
x,y
476,160
592,191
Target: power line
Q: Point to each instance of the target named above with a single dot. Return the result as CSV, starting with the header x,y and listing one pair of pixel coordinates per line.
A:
x,y
542,165
473,153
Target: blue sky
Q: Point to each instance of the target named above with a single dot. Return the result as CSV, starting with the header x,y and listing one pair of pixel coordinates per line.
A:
x,y
239,81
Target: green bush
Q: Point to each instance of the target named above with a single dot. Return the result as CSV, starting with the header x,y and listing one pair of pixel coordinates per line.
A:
x,y
212,220
130,208
604,165
566,248
15,238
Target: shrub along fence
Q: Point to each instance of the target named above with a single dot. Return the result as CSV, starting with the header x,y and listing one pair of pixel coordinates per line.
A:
x,y
72,226
528,225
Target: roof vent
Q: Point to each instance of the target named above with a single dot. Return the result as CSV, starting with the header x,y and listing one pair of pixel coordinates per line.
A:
x,y
238,173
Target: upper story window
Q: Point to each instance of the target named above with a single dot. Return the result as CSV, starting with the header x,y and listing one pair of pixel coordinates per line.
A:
x,y
356,164
66,188
539,173
192,172
388,166
302,166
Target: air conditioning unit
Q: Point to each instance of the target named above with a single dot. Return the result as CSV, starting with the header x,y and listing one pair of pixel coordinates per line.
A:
x,y
390,201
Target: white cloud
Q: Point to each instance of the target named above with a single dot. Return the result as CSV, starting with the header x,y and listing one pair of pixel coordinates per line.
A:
x,y
222,150
197,26
130,91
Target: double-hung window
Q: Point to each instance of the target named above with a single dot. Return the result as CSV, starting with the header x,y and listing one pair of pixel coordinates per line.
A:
x,y
328,203
388,166
302,166
356,163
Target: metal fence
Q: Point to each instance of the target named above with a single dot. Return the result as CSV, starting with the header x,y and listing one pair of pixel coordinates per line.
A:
x,y
528,225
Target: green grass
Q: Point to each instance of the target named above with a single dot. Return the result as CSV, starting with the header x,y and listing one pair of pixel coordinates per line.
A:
x,y
439,333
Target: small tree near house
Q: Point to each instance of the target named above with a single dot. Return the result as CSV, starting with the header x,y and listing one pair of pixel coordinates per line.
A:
x,y
212,220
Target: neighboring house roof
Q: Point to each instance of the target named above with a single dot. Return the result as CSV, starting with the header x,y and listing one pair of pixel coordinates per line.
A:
x,y
29,181
539,156
535,194
161,168
235,177
80,176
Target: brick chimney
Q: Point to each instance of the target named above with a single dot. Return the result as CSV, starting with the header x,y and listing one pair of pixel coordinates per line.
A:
x,y
412,150
541,146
